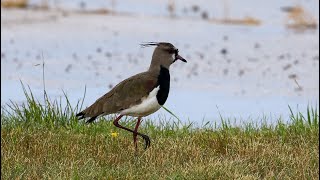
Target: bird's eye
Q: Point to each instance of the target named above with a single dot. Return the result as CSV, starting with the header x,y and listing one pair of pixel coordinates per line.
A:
x,y
171,51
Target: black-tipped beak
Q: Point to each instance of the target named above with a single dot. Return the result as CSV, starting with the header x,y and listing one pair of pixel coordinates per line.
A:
x,y
180,58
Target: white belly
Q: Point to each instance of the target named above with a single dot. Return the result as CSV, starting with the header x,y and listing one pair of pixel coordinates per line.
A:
x,y
148,105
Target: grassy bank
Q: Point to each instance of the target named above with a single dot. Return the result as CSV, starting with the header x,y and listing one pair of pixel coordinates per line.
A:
x,y
47,142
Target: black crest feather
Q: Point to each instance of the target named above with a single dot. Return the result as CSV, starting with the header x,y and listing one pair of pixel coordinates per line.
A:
x,y
147,44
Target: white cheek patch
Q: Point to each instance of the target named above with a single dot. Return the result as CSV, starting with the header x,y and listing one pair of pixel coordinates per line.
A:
x,y
173,57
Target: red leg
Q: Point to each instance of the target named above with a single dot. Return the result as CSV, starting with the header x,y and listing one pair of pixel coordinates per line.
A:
x,y
135,133
145,137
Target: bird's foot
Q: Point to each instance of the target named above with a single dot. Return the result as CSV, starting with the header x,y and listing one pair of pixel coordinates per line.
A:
x,y
147,141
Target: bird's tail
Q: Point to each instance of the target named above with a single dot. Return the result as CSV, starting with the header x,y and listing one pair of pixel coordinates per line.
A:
x,y
81,115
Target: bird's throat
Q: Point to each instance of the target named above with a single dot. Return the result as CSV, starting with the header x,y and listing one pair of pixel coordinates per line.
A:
x,y
164,83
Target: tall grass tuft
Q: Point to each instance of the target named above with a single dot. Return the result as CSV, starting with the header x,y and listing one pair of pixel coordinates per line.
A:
x,y
33,112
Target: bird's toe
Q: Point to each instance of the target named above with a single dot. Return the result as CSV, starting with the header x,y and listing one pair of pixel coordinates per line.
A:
x,y
147,141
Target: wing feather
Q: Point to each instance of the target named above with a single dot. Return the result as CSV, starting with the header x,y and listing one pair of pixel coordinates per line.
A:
x,y
124,95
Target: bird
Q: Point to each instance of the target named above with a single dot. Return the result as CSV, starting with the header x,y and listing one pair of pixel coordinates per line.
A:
x,y
139,95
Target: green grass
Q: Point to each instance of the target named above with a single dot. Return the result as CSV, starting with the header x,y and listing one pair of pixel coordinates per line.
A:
x,y
47,142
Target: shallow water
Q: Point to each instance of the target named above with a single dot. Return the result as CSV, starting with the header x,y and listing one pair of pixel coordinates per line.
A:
x,y
266,67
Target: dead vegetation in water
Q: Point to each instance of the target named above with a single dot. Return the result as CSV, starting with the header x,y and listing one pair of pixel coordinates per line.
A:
x,y
95,11
14,3
171,8
24,4
248,20
44,5
298,18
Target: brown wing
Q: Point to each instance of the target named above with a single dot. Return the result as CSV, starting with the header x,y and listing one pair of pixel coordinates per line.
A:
x,y
127,93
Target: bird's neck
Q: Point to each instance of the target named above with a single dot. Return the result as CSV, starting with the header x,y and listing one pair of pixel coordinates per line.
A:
x,y
158,61
156,69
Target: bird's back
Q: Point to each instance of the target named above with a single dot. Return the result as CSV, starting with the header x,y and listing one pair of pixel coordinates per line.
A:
x,y
127,93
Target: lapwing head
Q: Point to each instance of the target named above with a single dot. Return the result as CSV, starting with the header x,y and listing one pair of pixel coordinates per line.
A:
x,y
164,54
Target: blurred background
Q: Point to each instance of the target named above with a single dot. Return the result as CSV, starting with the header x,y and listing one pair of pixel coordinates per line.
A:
x,y
247,60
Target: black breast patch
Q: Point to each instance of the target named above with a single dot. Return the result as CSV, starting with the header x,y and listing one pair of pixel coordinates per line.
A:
x,y
164,83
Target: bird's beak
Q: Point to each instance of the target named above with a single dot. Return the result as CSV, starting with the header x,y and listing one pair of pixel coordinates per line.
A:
x,y
180,58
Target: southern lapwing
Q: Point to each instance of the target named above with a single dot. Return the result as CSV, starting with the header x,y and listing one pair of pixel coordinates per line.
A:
x,y
139,95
